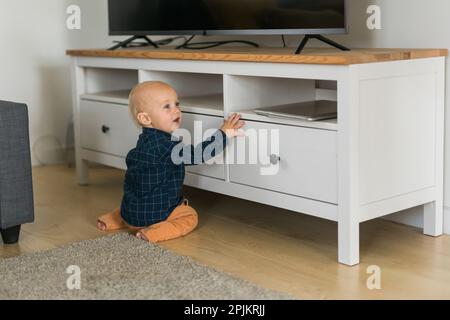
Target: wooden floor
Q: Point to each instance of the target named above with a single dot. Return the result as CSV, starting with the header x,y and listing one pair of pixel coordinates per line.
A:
x,y
274,248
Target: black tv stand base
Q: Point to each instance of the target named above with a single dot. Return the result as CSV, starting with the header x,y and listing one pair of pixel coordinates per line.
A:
x,y
320,38
124,44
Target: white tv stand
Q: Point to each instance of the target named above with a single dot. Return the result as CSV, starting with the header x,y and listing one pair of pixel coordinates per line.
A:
x,y
383,154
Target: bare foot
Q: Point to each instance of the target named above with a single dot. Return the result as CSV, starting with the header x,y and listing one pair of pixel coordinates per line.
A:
x,y
141,236
101,226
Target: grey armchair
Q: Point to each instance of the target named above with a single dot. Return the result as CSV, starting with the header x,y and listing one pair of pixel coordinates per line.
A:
x,y
16,187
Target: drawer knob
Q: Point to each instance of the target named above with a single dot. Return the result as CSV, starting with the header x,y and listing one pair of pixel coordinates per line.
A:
x,y
105,129
274,159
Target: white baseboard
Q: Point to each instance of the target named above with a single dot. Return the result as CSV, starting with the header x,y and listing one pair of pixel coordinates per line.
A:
x,y
414,217
447,220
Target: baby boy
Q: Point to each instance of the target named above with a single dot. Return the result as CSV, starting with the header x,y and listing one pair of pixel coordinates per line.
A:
x,y
152,204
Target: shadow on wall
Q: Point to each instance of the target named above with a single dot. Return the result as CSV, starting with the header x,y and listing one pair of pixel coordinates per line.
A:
x,y
55,117
359,36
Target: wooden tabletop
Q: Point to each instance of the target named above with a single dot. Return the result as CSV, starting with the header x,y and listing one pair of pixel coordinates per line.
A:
x,y
278,55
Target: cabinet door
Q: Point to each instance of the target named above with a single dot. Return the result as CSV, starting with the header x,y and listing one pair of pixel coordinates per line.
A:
x,y
197,124
294,160
107,127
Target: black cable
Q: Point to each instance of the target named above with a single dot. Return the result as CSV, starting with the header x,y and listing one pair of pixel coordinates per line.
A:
x,y
162,42
168,40
185,43
210,44
134,44
284,43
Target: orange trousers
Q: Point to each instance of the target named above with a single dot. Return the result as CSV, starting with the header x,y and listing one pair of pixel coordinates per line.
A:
x,y
180,222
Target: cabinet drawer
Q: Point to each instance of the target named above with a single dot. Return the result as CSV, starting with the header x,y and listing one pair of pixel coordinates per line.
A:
x,y
304,163
107,127
203,123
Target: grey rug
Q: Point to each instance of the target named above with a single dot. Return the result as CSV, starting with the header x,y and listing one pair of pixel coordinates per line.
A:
x,y
119,267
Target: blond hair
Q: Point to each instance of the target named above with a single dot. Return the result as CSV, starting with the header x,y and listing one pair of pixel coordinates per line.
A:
x,y
132,105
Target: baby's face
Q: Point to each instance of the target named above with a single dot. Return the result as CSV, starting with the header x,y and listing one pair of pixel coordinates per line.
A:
x,y
163,107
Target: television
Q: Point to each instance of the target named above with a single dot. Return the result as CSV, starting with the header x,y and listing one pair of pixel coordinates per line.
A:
x,y
226,17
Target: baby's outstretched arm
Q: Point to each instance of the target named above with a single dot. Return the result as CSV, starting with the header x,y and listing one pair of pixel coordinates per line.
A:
x,y
208,149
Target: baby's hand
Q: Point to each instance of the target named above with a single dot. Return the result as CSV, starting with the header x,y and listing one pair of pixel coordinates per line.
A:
x,y
232,125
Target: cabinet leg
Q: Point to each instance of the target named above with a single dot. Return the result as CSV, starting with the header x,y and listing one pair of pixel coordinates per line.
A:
x,y
10,235
82,171
433,218
348,242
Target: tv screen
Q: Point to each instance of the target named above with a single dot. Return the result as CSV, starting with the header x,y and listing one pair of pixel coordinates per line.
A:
x,y
192,17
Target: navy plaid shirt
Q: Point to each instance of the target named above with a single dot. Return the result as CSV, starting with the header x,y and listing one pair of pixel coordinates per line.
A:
x,y
154,178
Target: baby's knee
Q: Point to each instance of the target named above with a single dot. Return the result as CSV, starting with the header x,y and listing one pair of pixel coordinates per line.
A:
x,y
187,222
194,219
190,216
193,215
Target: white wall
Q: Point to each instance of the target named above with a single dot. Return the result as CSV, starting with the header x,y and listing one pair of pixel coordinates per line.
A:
x,y
35,69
